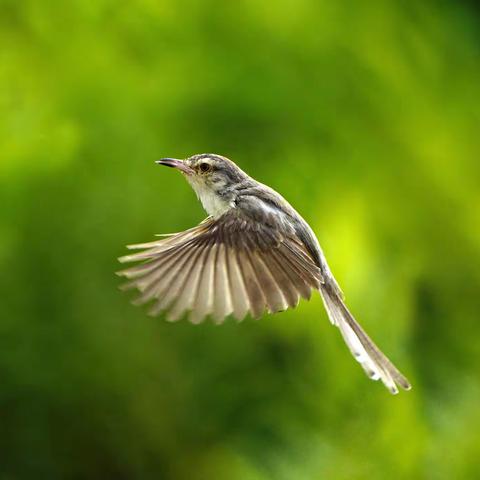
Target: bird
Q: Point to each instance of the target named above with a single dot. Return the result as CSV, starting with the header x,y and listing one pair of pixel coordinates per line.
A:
x,y
254,253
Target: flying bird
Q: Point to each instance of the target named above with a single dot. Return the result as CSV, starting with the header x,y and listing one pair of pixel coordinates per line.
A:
x,y
253,253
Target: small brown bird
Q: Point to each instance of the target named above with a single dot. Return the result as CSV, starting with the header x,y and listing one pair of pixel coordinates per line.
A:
x,y
253,253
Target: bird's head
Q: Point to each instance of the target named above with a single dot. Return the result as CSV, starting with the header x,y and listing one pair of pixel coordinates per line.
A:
x,y
213,178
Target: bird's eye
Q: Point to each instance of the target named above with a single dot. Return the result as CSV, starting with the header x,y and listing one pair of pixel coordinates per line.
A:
x,y
205,167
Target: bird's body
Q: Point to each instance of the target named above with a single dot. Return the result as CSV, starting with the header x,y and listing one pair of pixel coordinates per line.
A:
x,y
253,252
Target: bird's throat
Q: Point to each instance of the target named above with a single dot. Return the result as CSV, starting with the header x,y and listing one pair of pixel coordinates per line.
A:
x,y
213,203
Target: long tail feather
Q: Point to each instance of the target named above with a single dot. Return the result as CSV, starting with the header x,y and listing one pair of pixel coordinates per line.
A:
x,y
376,365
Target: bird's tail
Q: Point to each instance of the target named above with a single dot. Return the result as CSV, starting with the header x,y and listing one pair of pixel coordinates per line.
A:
x,y
376,365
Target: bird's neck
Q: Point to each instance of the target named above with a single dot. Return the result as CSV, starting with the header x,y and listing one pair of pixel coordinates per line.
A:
x,y
215,203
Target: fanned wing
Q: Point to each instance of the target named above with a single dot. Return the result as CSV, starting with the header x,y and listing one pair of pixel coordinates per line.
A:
x,y
231,265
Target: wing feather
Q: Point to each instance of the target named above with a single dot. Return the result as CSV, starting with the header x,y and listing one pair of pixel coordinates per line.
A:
x,y
154,279
240,299
304,263
154,283
223,300
174,287
285,283
252,287
189,288
297,275
203,302
271,292
229,265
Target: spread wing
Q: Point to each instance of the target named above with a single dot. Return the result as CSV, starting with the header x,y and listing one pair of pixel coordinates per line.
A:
x,y
230,265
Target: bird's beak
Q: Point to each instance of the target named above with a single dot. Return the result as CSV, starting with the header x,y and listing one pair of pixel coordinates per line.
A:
x,y
175,163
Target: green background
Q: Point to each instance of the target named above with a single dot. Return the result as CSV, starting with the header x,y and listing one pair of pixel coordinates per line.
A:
x,y
364,115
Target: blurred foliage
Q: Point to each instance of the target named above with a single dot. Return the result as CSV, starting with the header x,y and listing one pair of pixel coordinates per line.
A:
x,y
365,115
